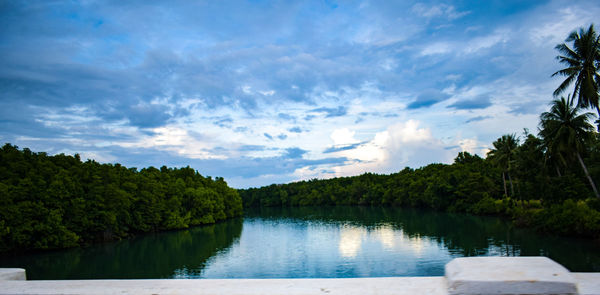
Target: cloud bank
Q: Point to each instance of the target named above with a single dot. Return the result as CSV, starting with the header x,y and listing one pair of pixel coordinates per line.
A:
x,y
269,92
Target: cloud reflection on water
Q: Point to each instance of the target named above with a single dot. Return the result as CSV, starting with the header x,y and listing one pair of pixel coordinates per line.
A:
x,y
391,239
351,240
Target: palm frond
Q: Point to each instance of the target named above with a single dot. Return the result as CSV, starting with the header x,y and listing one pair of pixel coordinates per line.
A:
x,y
583,64
571,62
564,85
567,71
564,129
568,52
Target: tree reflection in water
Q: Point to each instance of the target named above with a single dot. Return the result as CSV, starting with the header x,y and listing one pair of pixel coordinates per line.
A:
x,y
158,255
309,242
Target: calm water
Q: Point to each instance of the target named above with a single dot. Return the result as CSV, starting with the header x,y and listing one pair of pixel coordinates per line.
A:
x,y
309,242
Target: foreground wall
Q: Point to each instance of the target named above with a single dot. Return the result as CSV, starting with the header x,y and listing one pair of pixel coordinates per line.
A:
x,y
475,275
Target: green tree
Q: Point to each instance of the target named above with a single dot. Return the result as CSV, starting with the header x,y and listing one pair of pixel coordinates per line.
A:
x,y
565,131
49,202
503,154
583,63
529,166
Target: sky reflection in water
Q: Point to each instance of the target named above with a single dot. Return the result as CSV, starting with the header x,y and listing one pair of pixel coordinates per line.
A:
x,y
376,242
308,249
308,242
291,248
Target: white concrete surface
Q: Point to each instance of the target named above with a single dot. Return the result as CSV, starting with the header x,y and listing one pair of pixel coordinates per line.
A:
x,y
508,275
474,275
12,274
587,282
360,286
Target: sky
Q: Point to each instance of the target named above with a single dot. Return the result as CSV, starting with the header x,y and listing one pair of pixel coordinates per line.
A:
x,y
263,92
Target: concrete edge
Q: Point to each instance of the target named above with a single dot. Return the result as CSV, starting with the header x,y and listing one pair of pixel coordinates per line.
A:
x,y
12,274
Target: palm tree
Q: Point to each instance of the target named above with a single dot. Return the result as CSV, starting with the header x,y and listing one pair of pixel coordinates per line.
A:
x,y
503,154
583,63
565,131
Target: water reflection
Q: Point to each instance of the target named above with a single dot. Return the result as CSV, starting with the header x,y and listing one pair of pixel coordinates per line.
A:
x,y
390,240
149,256
310,242
385,234
350,240
418,242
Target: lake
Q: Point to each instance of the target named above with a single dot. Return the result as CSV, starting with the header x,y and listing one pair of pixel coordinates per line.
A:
x,y
309,242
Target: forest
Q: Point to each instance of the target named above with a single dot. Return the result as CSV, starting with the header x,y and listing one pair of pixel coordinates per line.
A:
x,y
49,202
543,182
536,196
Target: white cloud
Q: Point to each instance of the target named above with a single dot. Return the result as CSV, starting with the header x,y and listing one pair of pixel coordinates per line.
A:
x,y
556,27
469,145
453,77
485,42
99,157
401,144
247,89
380,36
388,64
436,48
431,11
267,93
176,140
407,143
343,136
470,46
409,132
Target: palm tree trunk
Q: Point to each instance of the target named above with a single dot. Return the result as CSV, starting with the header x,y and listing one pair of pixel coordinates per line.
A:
x,y
504,180
512,188
587,174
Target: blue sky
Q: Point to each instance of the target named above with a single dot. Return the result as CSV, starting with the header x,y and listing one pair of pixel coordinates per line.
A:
x,y
263,92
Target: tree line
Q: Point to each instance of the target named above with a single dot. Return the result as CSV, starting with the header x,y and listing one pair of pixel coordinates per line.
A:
x,y
544,181
536,196
59,201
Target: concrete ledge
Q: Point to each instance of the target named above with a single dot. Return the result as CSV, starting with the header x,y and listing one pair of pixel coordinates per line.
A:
x,y
474,275
360,286
508,275
12,274
587,282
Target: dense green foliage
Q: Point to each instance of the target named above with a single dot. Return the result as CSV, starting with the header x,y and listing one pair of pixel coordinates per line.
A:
x,y
471,184
565,132
59,201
